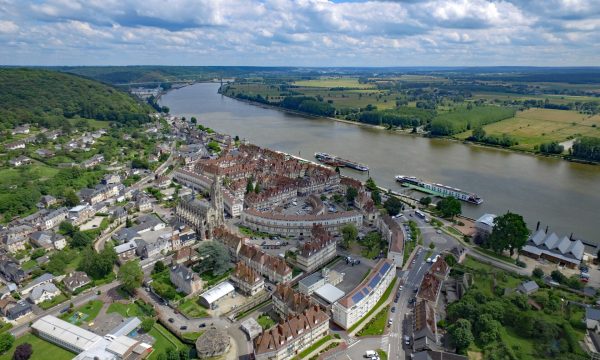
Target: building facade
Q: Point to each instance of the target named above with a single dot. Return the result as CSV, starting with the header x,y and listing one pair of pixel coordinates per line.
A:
x,y
247,280
318,251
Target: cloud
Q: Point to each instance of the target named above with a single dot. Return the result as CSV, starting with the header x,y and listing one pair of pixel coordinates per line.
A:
x,y
300,32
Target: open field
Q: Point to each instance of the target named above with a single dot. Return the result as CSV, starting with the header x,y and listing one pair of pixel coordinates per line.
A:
x,y
555,99
164,341
191,308
334,82
42,349
536,126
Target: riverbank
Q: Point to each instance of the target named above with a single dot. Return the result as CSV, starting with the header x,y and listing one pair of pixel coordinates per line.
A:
x,y
424,135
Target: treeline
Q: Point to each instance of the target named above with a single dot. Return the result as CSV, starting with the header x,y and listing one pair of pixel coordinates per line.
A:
x,y
40,96
590,107
586,148
504,140
466,118
404,117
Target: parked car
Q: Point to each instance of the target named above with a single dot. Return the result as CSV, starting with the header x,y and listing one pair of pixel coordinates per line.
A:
x,y
171,320
202,325
393,309
183,327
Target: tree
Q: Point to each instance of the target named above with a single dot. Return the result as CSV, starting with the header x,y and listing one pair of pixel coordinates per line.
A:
x,y
449,207
509,232
351,194
98,265
393,205
478,134
81,239
131,275
376,196
349,234
216,258
487,328
68,229
23,352
370,184
249,186
6,342
193,120
147,324
461,335
538,272
71,199
425,201
159,267
128,222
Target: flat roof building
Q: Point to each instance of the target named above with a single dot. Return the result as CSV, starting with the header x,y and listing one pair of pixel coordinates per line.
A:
x,y
65,334
210,297
329,293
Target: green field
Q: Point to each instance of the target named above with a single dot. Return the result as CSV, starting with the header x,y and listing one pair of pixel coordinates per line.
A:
x,y
50,303
377,324
42,349
128,310
536,126
164,340
192,308
89,311
333,83
36,171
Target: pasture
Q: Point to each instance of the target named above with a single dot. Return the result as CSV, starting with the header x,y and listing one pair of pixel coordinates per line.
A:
x,y
333,83
536,126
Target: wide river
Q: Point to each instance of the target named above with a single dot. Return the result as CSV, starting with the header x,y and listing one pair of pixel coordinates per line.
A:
x,y
563,195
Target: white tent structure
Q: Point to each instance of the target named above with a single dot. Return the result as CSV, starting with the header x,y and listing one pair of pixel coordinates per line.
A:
x,y
210,297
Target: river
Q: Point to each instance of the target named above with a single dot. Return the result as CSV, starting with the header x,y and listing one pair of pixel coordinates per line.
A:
x,y
561,194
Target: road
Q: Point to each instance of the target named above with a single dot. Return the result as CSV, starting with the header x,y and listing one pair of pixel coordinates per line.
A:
x,y
77,301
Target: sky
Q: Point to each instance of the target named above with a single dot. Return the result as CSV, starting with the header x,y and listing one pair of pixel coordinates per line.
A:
x,y
300,32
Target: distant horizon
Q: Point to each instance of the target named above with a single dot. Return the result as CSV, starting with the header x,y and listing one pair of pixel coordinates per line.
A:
x,y
574,67
307,33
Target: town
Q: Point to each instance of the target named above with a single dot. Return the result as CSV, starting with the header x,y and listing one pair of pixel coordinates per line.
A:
x,y
226,249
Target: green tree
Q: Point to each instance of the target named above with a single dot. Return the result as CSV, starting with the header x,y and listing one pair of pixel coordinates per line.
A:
x,y
449,207
393,205
71,199
351,194
538,273
6,342
509,232
131,275
461,335
376,196
81,239
425,201
249,186
147,324
370,184
478,134
216,258
98,265
193,120
67,229
159,267
349,234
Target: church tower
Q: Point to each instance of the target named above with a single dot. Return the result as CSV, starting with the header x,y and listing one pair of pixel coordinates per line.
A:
x,y
216,199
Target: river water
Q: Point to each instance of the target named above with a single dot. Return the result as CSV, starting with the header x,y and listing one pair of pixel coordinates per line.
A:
x,y
563,195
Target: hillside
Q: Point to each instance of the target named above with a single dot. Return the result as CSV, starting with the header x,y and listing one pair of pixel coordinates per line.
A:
x,y
48,97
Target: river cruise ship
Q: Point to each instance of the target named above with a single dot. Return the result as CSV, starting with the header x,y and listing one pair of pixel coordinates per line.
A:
x,y
438,189
333,160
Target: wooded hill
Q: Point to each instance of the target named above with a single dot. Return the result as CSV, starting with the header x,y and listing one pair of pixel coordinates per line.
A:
x,y
50,97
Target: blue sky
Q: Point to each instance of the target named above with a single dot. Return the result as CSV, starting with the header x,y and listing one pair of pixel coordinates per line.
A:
x,y
301,32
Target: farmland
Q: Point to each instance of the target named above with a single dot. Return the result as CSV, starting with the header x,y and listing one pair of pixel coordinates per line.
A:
x,y
533,127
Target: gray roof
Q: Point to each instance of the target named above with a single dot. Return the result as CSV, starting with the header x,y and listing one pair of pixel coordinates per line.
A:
x,y
311,279
38,280
592,313
125,235
130,245
487,219
565,248
529,286
126,327
330,293
38,291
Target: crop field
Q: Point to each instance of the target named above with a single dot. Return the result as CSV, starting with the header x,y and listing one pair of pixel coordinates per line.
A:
x,y
555,99
536,126
334,82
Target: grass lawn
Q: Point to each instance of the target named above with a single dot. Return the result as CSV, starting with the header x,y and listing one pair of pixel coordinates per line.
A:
x,y
127,310
523,348
41,349
382,354
91,309
28,265
536,126
192,308
50,303
34,171
265,321
313,347
164,340
383,299
377,324
210,279
192,336
5,326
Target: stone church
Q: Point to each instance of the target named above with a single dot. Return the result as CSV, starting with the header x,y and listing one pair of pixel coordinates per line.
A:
x,y
201,215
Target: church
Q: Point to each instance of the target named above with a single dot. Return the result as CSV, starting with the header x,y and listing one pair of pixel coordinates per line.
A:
x,y
201,215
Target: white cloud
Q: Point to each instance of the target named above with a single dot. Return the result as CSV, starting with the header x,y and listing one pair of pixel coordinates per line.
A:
x,y
301,32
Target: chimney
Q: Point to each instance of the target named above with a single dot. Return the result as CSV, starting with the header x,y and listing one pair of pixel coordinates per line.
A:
x,y
571,237
546,229
538,226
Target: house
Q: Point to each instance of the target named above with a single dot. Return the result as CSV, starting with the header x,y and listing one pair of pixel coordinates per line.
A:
x,y
44,153
21,130
11,271
43,293
118,214
48,240
54,218
20,161
43,279
485,223
318,251
14,243
246,279
126,251
592,318
185,279
186,255
143,204
93,161
15,145
528,287
424,327
124,235
76,280
111,179
12,309
288,302
80,214
148,223
47,201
